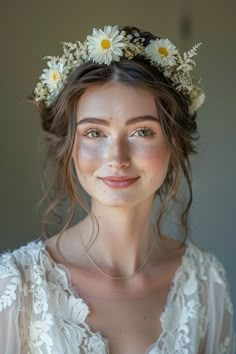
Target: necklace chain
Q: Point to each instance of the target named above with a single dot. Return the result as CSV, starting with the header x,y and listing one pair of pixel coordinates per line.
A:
x,y
101,270
117,277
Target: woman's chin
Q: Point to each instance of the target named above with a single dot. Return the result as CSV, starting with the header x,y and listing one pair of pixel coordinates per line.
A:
x,y
123,201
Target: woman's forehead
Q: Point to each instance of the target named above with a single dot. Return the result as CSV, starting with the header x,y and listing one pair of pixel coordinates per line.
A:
x,y
115,99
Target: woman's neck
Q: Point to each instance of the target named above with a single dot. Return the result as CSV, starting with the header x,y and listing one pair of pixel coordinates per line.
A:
x,y
124,236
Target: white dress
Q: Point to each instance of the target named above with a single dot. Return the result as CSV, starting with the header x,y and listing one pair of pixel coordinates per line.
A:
x,y
41,313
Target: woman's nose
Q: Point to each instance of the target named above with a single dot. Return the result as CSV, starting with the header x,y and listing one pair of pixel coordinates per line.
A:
x,y
118,155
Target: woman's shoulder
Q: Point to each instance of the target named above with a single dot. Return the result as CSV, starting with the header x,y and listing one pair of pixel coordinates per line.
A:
x,y
14,273
207,272
205,262
13,262
196,258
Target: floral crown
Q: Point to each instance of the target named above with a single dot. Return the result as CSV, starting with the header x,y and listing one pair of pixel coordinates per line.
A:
x,y
109,45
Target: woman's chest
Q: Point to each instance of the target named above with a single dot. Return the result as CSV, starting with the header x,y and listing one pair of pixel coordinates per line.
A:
x,y
130,322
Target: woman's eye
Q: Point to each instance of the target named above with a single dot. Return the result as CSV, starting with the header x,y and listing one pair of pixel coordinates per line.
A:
x,y
93,133
143,132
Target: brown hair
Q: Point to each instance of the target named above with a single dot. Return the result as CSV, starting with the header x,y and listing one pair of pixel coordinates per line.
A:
x,y
59,125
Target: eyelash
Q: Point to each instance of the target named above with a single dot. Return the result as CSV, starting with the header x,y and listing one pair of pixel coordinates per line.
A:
x,y
87,132
150,133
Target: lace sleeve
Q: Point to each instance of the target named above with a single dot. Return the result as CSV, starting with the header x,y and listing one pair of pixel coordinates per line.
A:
x,y
9,311
220,337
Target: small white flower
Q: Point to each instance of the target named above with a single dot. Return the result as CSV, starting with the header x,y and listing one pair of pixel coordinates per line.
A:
x,y
197,103
105,46
168,72
162,51
53,75
40,92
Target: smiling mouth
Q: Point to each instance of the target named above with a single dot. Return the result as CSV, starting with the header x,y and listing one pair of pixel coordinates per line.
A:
x,y
119,181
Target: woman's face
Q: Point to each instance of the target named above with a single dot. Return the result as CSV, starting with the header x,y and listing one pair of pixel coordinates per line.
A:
x,y
120,154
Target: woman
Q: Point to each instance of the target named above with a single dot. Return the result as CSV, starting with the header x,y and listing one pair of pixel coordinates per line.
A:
x,y
119,113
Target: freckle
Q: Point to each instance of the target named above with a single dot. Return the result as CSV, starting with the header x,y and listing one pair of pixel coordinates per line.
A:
x,y
145,317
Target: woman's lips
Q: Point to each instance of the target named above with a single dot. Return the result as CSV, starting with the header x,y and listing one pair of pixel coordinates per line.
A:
x,y
118,182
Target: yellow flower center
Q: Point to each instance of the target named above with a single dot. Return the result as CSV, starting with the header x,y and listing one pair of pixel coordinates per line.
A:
x,y
105,44
55,76
163,51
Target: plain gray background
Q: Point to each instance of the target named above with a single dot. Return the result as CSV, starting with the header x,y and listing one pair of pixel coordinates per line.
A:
x,y
31,30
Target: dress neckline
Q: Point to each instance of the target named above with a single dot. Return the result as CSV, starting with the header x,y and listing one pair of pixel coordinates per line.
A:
x,y
63,270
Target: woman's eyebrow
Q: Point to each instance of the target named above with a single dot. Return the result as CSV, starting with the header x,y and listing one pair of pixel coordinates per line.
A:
x,y
128,122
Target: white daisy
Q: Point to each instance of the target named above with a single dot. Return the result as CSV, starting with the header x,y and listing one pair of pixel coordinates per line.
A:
x,y
53,75
162,51
105,46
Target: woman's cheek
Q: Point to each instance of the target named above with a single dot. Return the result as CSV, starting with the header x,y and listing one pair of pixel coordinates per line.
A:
x,y
88,156
157,153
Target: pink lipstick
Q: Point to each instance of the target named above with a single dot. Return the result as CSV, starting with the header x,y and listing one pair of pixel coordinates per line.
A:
x,y
118,181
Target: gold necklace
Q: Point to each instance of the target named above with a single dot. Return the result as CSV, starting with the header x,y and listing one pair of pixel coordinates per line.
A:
x,y
116,277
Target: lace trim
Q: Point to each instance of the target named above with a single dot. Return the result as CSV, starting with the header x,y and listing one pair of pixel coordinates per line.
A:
x,y
67,285
9,294
98,343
